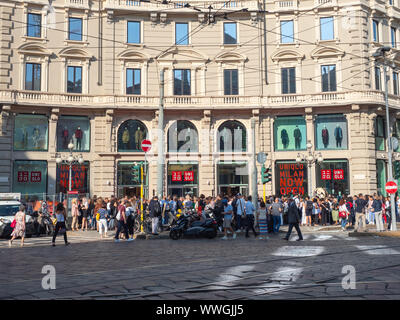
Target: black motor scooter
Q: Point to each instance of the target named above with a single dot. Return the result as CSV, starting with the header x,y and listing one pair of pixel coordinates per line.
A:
x,y
185,228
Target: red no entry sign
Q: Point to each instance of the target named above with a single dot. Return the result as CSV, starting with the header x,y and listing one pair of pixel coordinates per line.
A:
x,y
391,187
146,145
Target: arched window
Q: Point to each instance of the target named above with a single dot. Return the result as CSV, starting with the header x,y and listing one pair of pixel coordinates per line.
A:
x,y
183,137
232,137
131,133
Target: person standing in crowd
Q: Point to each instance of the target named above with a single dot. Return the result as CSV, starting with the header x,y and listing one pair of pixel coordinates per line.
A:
x,y
122,222
316,212
61,217
324,212
84,209
90,213
103,214
74,214
20,226
218,211
371,213
377,210
360,208
335,211
250,210
164,210
302,211
262,220
343,213
155,213
228,212
293,220
239,204
276,209
309,210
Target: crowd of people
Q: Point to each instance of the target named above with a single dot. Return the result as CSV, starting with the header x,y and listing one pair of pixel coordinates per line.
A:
x,y
234,214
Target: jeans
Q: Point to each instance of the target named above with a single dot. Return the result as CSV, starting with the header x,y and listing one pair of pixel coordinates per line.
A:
x,y
59,225
277,223
103,226
122,225
344,222
154,224
371,217
238,222
379,221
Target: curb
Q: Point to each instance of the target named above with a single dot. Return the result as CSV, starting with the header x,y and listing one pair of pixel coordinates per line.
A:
x,y
391,234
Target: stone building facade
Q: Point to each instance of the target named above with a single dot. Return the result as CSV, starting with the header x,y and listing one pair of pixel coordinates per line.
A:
x,y
87,72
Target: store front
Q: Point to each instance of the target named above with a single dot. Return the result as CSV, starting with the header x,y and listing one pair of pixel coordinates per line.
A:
x,y
30,178
380,133
333,176
233,178
31,132
331,132
80,178
290,133
381,177
129,181
73,129
183,178
290,178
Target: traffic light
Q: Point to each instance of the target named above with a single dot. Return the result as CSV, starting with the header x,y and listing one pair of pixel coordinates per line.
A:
x,y
136,174
265,175
397,169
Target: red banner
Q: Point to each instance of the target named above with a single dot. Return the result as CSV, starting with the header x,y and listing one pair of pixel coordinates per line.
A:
x,y
176,176
188,176
326,175
338,174
291,178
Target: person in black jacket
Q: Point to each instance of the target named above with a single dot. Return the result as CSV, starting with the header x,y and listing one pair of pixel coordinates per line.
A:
x,y
155,213
293,220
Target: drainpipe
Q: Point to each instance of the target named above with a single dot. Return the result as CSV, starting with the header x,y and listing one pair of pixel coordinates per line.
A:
x,y
265,43
100,48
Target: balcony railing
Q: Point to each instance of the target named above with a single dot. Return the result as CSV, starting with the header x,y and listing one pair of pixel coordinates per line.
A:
x,y
286,5
35,98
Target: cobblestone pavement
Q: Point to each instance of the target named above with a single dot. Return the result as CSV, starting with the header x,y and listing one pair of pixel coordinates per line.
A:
x,y
203,269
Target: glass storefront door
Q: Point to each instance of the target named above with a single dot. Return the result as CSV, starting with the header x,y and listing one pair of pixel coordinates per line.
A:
x,y
381,177
233,178
333,176
183,178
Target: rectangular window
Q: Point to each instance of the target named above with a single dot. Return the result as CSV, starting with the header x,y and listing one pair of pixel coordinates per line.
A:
x,y
288,80
133,81
331,183
287,31
380,130
30,132
231,82
230,33
181,33
290,133
75,129
375,26
182,82
328,78
133,32
326,28
32,76
377,78
74,83
393,37
330,132
395,83
34,25
75,29
30,178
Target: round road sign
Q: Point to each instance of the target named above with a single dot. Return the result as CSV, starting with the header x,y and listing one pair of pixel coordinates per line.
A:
x,y
391,187
146,145
261,157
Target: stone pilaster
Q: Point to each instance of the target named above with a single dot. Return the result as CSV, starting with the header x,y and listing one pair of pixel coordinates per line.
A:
x,y
207,179
6,142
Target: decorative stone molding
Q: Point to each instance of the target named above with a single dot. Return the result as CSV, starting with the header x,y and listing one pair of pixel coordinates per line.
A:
x,y
201,17
153,18
254,18
372,117
109,115
308,110
5,115
163,19
54,114
110,16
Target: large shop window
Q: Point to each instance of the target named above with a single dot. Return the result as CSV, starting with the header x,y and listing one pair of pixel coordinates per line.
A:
x,y
333,176
381,176
233,178
290,178
73,129
331,132
183,137
30,132
290,133
129,178
183,178
396,132
232,137
380,127
79,178
30,178
130,136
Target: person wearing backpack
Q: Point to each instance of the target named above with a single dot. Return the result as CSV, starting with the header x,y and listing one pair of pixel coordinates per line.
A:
x,y
122,222
155,213
309,210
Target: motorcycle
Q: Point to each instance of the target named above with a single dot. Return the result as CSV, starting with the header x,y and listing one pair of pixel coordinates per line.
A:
x,y
187,225
44,223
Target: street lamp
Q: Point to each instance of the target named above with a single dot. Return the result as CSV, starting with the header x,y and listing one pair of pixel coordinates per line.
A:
x,y
70,160
381,53
311,158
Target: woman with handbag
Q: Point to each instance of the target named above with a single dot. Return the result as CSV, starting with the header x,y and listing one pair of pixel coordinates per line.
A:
x,y
61,216
343,213
19,226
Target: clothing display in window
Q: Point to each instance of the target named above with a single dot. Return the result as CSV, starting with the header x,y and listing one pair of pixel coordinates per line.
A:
x,y
139,136
338,136
297,137
74,130
36,138
24,139
125,138
325,136
30,132
284,138
64,137
78,137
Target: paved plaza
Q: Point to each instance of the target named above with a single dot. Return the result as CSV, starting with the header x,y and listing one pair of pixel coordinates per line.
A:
x,y
91,268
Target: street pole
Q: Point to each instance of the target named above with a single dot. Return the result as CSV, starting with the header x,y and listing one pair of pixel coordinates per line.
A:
x,y
309,166
70,176
254,180
389,142
141,197
160,169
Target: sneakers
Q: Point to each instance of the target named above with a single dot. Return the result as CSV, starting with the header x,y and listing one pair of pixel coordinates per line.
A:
x,y
224,238
234,236
130,239
238,231
116,240
67,244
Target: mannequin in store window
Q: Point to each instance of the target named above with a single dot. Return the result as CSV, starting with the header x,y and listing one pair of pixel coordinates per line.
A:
x,y
78,137
325,136
64,137
24,138
285,138
139,136
36,138
297,137
338,136
226,136
126,138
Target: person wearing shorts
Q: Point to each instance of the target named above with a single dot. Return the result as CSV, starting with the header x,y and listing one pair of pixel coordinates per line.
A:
x,y
228,212
309,210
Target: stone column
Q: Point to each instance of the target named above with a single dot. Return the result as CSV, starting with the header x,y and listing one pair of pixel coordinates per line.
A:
x,y
6,142
51,164
310,137
207,179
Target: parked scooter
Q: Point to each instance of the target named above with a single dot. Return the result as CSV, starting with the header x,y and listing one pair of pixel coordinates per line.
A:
x,y
43,223
187,225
